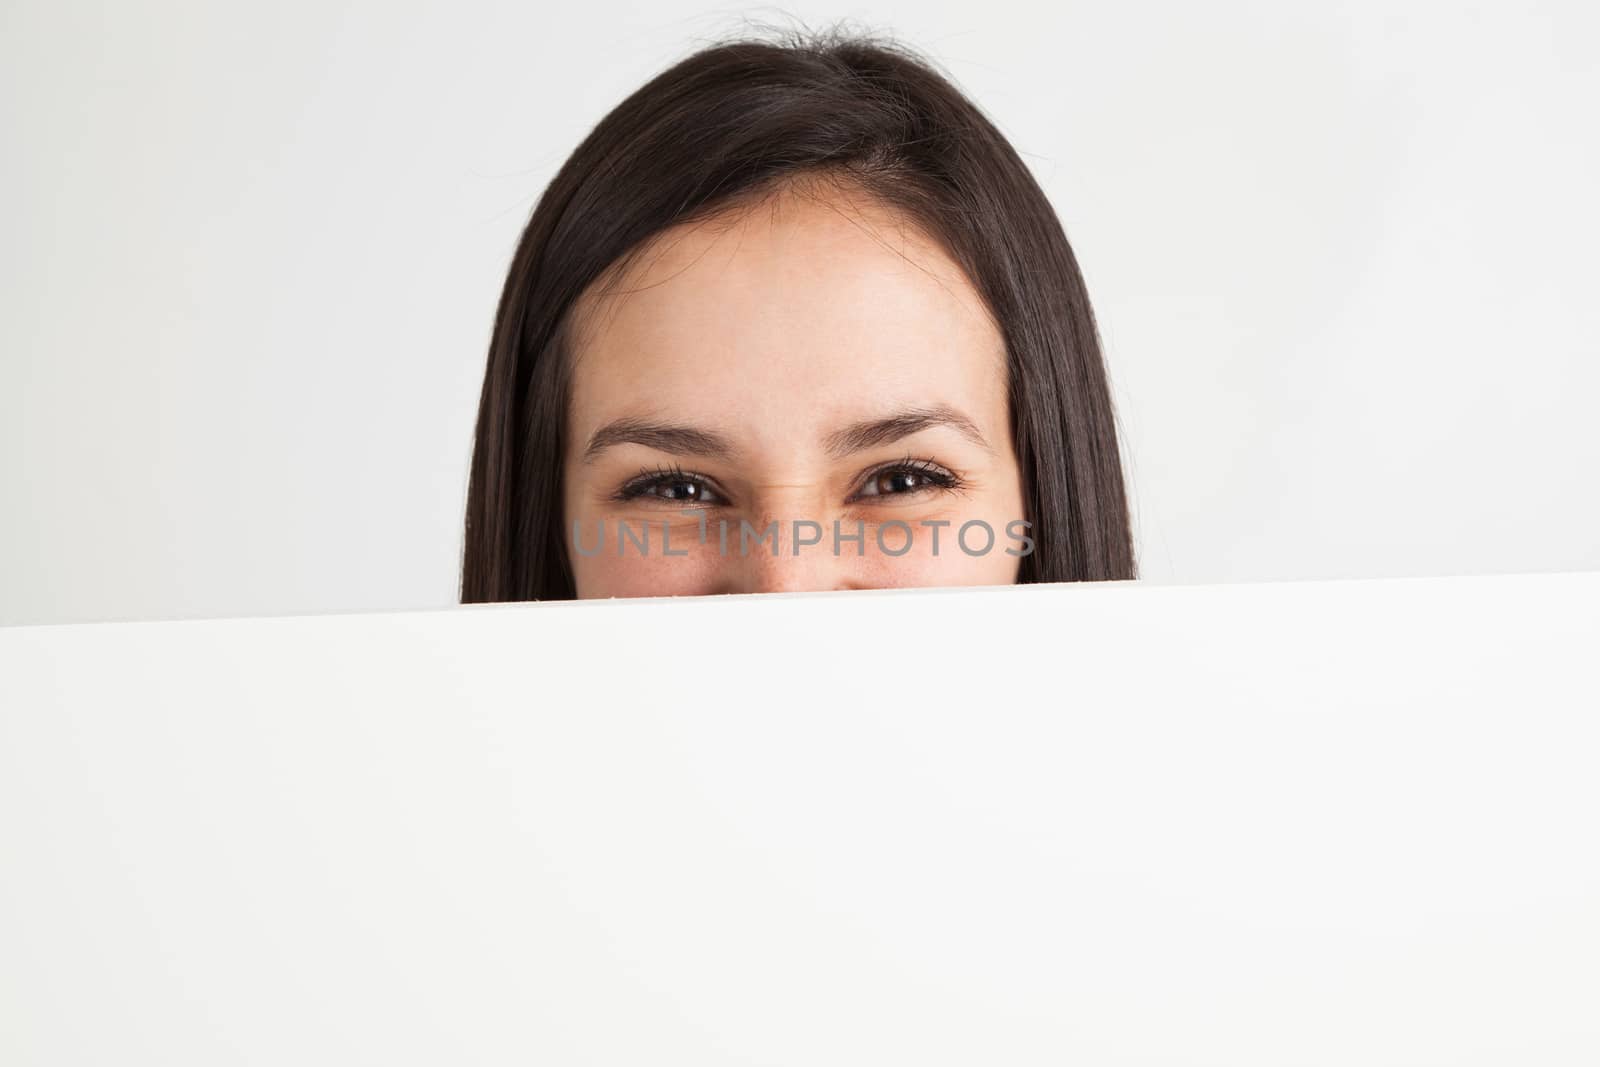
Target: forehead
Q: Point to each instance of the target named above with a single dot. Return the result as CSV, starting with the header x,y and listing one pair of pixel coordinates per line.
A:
x,y
784,318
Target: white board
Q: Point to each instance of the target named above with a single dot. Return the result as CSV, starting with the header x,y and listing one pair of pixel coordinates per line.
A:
x,y
1297,823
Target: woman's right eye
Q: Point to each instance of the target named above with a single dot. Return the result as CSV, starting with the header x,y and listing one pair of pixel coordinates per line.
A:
x,y
674,488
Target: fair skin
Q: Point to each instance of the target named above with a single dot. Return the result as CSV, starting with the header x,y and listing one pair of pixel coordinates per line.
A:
x,y
784,363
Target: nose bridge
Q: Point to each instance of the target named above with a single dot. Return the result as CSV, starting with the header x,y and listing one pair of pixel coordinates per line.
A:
x,y
786,551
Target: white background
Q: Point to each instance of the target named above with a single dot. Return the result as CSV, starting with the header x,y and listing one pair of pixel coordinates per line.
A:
x,y
1342,255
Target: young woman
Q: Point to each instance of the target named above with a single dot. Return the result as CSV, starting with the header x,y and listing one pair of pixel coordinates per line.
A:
x,y
794,315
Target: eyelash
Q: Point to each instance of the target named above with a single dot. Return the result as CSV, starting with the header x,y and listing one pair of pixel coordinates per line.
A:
x,y
651,477
939,478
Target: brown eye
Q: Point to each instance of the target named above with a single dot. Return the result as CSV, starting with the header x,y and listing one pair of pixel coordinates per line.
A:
x,y
906,478
674,487
895,482
684,491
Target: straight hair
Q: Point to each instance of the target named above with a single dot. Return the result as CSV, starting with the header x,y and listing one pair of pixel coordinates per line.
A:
x,y
724,127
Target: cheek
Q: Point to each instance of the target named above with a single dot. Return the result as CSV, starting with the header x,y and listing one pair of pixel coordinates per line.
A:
x,y
609,573
703,572
934,557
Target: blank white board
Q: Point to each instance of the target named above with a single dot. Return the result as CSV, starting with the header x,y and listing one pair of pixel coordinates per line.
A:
x,y
1297,823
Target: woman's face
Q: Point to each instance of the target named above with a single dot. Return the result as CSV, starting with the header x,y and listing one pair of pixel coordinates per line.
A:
x,y
758,383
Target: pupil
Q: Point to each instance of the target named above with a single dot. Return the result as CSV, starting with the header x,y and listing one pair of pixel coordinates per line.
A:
x,y
901,481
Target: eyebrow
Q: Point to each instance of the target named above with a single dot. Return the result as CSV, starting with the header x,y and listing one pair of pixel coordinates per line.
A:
x,y
664,437
857,437
872,432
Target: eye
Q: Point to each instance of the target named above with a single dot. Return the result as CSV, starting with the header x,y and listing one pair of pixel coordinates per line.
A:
x,y
906,477
674,486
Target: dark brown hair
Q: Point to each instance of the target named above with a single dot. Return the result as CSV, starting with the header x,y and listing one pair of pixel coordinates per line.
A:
x,y
722,127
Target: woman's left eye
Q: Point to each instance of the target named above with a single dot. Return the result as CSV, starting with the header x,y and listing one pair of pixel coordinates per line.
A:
x,y
906,478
